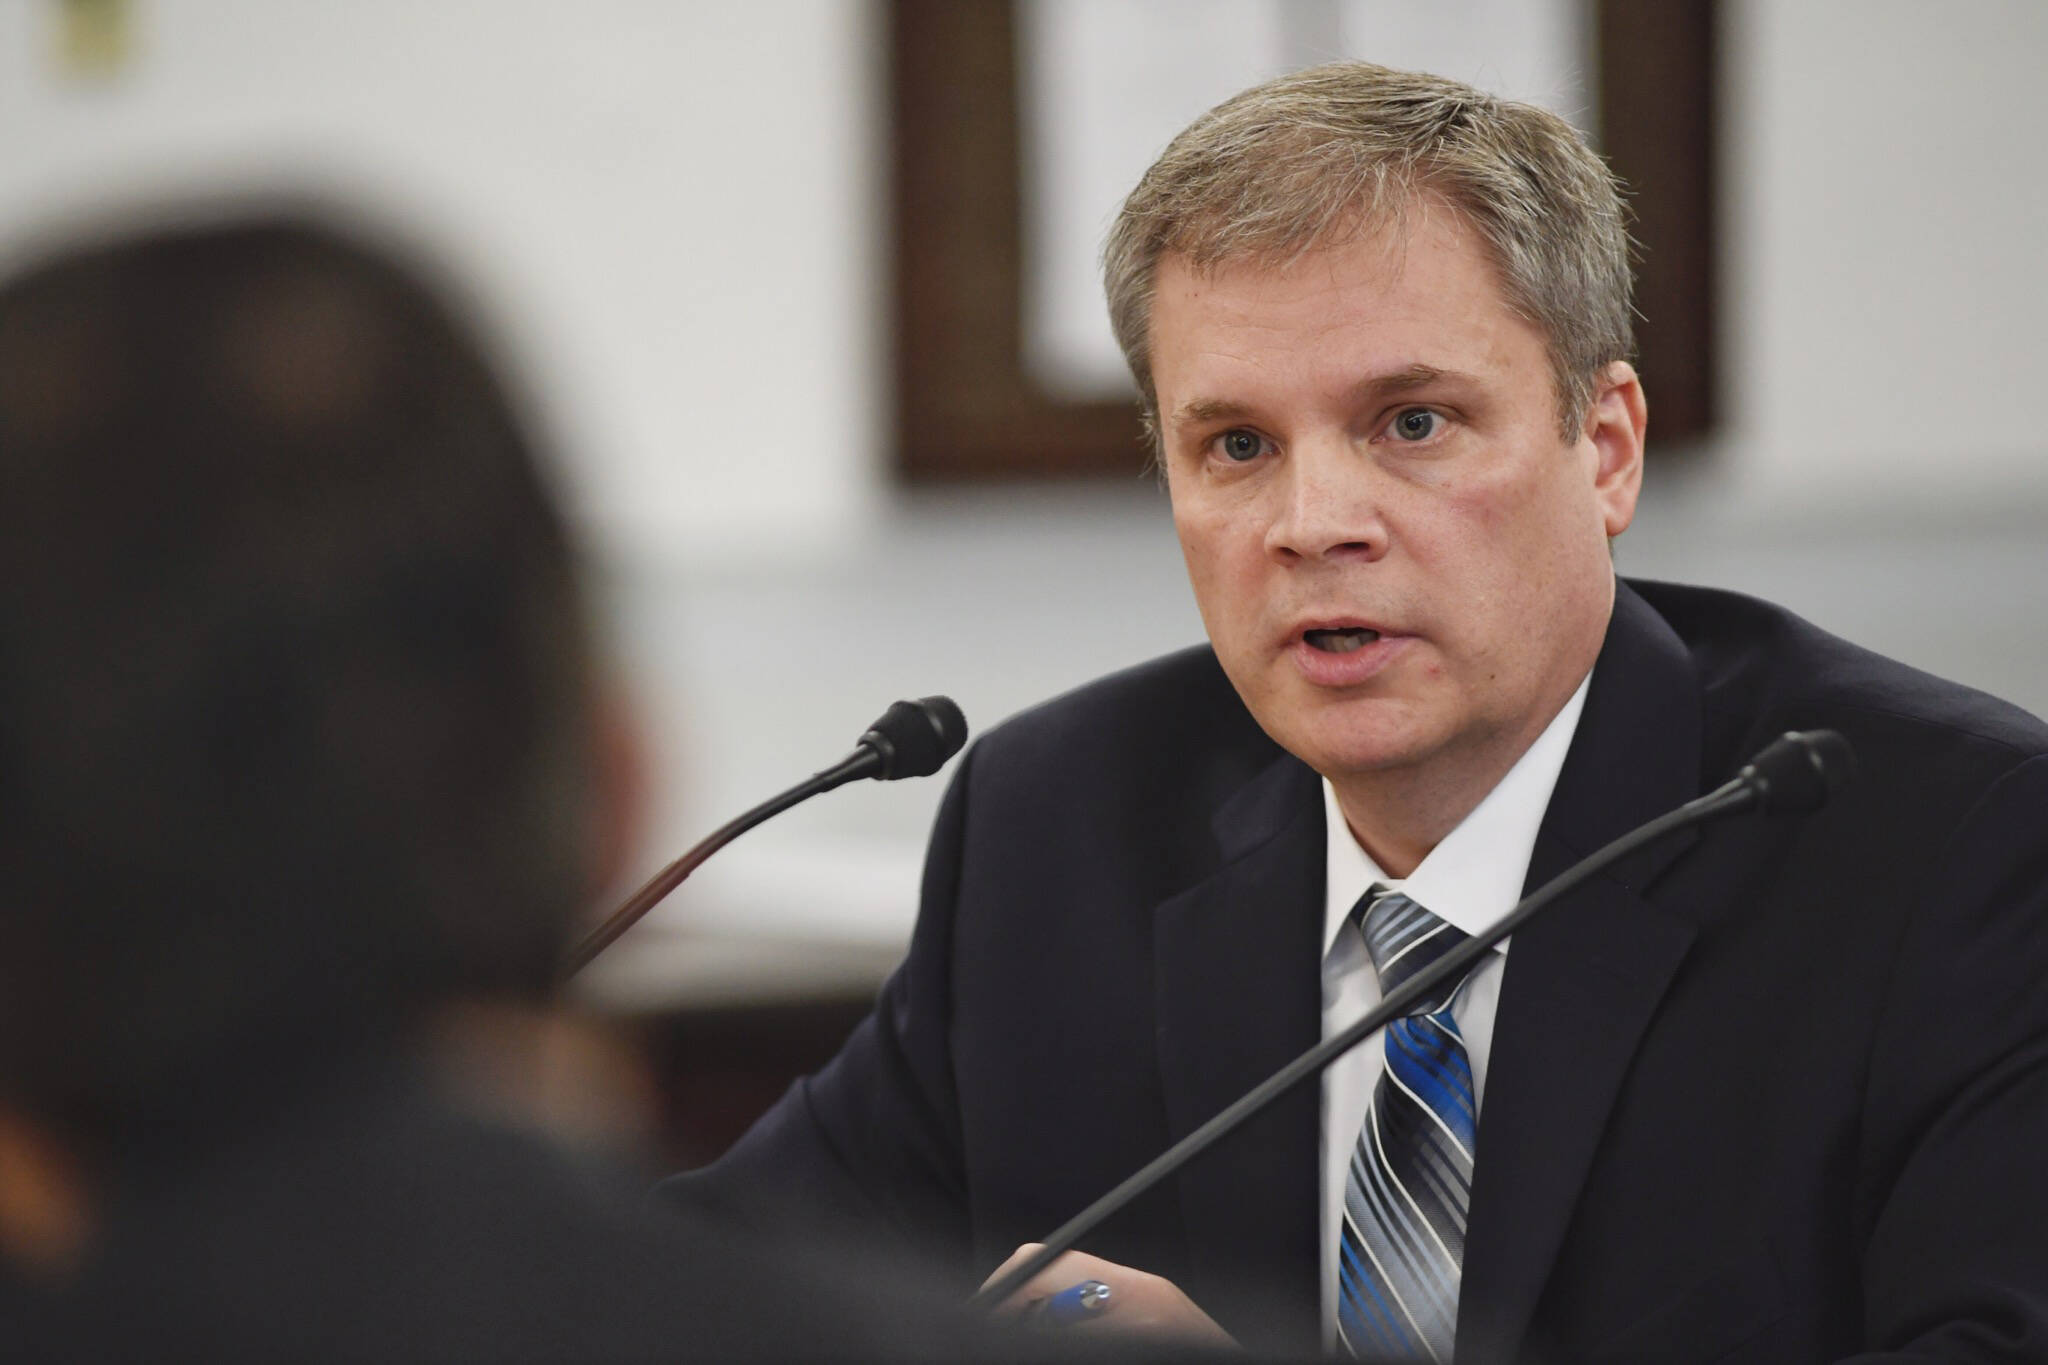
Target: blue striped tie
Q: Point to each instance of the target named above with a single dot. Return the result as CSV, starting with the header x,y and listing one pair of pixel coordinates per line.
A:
x,y
1411,1173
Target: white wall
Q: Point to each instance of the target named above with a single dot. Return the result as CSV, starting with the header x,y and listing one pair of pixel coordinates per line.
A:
x,y
1886,216
672,206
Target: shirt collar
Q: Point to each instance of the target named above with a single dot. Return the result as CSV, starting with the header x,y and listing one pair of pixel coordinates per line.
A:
x,y
1473,878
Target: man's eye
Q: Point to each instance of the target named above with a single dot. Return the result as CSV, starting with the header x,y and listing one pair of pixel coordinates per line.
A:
x,y
1241,446
1417,424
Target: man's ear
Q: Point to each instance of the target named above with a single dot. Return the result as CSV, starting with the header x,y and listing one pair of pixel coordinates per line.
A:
x,y
1616,421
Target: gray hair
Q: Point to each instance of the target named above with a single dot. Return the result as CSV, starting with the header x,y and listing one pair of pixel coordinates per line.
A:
x,y
1323,155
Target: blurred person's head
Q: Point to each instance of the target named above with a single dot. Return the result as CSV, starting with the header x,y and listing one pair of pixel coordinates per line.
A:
x,y
1350,150
304,775
294,692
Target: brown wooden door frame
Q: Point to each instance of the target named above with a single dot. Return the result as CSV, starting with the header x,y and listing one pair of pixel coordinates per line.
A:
x,y
966,405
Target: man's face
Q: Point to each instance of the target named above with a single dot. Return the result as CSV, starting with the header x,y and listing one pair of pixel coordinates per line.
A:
x,y
1400,561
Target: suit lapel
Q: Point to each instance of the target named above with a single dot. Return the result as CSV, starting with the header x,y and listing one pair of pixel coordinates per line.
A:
x,y
1238,961
1583,980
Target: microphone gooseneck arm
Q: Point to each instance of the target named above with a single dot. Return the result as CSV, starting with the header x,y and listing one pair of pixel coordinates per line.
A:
x,y
670,877
1823,751
912,739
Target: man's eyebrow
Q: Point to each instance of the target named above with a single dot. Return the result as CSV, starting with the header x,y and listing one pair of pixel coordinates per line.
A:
x,y
1199,411
1209,410
1406,379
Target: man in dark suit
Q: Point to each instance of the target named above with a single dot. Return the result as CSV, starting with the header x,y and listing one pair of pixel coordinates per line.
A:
x,y
1777,1091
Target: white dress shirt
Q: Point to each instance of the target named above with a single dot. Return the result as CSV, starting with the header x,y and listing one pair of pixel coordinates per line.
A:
x,y
1471,880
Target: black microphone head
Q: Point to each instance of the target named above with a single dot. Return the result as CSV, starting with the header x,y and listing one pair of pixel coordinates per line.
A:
x,y
915,738
1799,770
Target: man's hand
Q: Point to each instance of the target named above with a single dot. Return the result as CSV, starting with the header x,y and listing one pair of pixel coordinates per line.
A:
x,y
1139,1305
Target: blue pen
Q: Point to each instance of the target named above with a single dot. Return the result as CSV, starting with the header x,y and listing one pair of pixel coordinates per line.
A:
x,y
1074,1304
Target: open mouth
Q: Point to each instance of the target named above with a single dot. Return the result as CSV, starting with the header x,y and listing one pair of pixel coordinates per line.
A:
x,y
1341,641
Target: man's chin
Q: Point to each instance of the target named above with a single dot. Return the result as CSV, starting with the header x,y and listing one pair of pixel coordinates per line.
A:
x,y
1344,733
1355,750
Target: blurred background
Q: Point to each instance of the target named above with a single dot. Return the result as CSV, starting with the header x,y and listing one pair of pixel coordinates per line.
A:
x,y
803,291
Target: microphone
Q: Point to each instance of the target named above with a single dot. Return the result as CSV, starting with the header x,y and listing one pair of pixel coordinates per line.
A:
x,y
1798,771
910,739
1793,774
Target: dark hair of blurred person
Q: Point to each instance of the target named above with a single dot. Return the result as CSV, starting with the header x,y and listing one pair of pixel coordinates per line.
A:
x,y
293,692
298,747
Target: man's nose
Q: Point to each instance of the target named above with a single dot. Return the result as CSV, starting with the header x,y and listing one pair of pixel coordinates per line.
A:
x,y
1327,504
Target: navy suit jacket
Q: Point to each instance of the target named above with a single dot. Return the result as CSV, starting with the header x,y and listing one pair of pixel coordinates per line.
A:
x,y
1775,1091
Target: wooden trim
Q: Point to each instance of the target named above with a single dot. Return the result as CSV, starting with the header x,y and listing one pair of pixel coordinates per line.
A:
x,y
966,406
1658,118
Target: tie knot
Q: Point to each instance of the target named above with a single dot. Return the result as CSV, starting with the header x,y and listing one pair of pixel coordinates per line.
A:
x,y
1402,938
